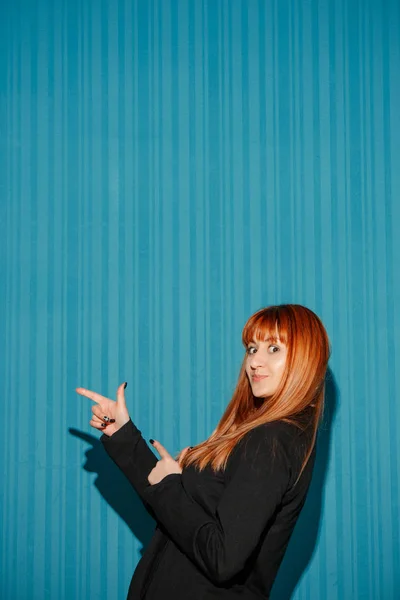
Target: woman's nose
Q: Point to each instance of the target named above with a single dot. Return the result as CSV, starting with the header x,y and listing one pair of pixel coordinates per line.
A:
x,y
257,360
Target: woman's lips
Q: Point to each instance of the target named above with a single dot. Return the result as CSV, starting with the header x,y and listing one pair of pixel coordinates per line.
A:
x,y
259,377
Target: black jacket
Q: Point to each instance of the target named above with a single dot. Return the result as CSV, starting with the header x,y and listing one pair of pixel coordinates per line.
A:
x,y
218,535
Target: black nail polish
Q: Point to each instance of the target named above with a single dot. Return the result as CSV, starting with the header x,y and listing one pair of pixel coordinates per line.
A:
x,y
112,420
106,418
103,425
191,447
151,441
125,384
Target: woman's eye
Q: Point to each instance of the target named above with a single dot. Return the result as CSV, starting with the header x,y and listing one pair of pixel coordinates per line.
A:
x,y
276,348
250,349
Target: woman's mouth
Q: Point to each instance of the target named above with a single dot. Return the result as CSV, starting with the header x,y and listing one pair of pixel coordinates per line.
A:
x,y
258,377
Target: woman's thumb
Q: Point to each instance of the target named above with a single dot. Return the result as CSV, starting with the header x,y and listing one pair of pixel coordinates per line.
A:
x,y
184,452
121,394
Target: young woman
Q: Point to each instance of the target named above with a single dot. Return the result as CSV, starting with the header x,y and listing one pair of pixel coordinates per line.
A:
x,y
225,509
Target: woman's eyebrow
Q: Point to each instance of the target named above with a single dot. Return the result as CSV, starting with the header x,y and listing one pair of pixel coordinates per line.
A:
x,y
270,338
275,340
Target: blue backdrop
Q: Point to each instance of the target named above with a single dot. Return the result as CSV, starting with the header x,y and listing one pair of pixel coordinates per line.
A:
x,y
167,168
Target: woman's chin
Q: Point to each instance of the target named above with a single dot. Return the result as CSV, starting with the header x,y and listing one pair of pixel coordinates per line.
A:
x,y
262,394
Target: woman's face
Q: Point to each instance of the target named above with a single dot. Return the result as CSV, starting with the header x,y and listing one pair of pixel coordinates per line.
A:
x,y
265,364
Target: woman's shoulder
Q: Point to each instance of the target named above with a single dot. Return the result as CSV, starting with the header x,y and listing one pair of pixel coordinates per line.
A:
x,y
283,431
268,447
278,437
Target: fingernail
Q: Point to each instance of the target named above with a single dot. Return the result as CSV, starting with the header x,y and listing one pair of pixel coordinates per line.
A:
x,y
151,441
125,384
102,425
106,418
191,447
112,420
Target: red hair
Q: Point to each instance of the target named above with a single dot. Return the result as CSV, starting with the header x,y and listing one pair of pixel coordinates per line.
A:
x,y
299,398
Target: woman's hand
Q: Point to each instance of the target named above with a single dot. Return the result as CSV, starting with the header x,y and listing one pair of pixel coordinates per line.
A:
x,y
108,415
166,466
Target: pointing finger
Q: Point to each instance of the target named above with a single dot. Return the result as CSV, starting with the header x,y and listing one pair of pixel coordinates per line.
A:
x,y
91,395
161,450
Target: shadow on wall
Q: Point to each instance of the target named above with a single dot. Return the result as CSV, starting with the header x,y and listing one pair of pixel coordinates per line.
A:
x,y
304,539
116,489
119,494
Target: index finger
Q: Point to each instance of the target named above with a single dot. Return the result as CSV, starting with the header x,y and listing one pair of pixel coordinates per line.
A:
x,y
92,395
163,452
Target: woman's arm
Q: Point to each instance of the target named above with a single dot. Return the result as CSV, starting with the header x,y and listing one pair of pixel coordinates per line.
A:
x,y
127,448
220,545
130,452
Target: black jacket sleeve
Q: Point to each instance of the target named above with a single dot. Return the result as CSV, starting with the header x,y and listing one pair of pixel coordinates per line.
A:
x,y
131,454
219,545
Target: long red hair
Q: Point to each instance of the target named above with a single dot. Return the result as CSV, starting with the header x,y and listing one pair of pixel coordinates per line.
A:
x,y
299,398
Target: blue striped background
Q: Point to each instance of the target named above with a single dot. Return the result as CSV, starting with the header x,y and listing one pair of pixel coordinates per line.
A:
x,y
167,168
